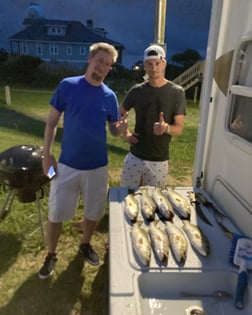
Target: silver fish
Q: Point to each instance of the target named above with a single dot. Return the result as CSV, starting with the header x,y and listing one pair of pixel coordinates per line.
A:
x,y
163,204
179,203
141,244
146,188
131,207
159,242
178,242
197,206
197,238
148,205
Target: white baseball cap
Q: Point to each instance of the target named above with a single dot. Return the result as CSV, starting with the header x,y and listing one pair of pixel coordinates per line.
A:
x,y
154,52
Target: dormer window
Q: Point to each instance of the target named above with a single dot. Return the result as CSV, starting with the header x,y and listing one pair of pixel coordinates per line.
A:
x,y
56,30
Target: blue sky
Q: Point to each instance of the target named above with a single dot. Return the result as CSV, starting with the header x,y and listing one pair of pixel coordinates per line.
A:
x,y
130,22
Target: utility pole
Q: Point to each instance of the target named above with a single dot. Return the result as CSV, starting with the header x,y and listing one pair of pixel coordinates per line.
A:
x,y
160,19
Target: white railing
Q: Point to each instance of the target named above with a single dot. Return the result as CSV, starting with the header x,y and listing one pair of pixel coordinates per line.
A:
x,y
191,76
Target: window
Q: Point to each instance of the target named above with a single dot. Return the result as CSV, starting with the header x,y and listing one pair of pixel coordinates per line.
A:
x,y
39,48
24,48
240,116
54,49
69,50
82,50
56,30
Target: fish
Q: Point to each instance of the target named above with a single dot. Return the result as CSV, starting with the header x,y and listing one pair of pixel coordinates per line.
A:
x,y
163,204
179,203
131,207
148,205
201,198
197,238
141,243
146,188
177,241
197,206
159,242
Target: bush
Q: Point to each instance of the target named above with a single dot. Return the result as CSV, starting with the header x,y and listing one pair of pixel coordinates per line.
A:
x,y
20,69
49,76
23,70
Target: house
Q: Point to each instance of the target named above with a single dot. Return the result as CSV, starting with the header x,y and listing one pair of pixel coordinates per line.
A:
x,y
58,41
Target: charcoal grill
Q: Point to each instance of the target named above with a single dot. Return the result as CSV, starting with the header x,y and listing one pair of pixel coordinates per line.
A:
x,y
22,174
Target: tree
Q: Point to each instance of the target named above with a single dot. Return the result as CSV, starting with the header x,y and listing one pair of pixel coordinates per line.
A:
x,y
3,55
187,58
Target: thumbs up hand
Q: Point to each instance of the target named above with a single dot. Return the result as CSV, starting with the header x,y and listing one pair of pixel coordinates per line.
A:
x,y
161,118
160,126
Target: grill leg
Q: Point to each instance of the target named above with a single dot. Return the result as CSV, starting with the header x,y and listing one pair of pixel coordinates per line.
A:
x,y
7,204
38,197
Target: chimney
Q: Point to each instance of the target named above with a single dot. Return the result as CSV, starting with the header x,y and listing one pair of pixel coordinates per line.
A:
x,y
90,23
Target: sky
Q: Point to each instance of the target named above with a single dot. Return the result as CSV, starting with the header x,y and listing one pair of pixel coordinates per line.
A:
x,y
130,22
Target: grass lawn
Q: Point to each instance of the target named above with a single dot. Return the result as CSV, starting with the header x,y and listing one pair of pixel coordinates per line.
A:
x,y
74,288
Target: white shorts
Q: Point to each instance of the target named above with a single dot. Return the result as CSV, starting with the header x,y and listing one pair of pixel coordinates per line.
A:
x,y
137,172
67,187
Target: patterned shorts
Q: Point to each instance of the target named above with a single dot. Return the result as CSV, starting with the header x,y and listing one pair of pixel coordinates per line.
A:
x,y
137,172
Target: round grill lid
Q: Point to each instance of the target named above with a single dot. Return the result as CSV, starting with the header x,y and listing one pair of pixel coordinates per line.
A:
x,y
23,157
21,167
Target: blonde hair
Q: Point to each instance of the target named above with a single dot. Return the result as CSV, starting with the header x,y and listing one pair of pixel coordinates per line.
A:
x,y
95,48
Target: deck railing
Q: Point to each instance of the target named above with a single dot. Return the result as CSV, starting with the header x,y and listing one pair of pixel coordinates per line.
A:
x,y
191,76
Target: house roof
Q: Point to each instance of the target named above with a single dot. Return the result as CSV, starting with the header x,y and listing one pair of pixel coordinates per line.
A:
x,y
75,32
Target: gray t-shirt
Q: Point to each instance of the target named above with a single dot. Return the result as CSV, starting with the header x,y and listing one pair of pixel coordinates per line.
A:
x,y
148,102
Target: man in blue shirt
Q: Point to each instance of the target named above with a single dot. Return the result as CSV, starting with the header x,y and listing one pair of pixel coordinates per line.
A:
x,y
88,104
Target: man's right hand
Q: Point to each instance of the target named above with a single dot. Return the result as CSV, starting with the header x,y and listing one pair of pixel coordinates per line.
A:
x,y
47,162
